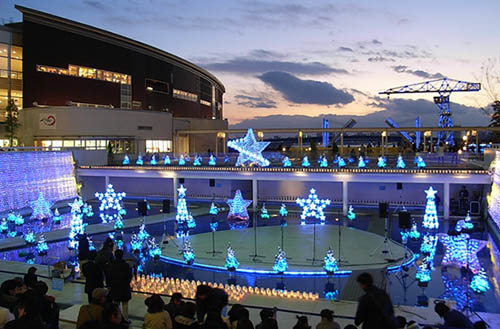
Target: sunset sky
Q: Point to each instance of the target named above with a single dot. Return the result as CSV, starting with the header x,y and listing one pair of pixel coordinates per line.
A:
x,y
292,63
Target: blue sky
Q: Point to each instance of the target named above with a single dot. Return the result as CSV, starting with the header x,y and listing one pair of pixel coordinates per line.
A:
x,y
283,60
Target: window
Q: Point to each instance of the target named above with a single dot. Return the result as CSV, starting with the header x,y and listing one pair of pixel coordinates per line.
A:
x,y
16,65
157,146
16,52
156,86
4,63
181,94
4,50
88,73
125,96
204,102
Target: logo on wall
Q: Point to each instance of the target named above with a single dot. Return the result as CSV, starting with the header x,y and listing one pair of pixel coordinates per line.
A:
x,y
47,121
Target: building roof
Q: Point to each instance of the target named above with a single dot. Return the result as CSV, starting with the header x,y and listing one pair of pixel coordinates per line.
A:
x,y
40,17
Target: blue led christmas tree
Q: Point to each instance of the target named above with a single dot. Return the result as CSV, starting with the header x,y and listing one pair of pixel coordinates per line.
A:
x,y
212,161
126,160
41,246
231,262
280,262
87,210
182,161
351,215
429,244
56,219
139,160
382,162
238,207
283,211
480,283
77,226
135,243
250,150
400,163
110,207
41,208
143,234
340,162
430,217
329,262
166,160
154,249
19,220
305,162
188,253
286,162
29,237
420,162
264,214
213,209
468,222
153,161
313,207
414,233
323,163
4,226
118,223
184,219
361,162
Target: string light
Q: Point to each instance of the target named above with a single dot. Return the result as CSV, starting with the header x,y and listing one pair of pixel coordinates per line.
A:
x,y
126,160
420,162
182,161
212,161
29,237
4,226
41,208
77,227
231,262
197,161
461,251
135,243
250,151
312,207
430,217
323,162
280,262
110,207
238,207
184,219
329,262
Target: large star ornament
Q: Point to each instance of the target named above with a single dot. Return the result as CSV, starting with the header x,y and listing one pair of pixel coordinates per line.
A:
x,y
461,250
431,193
250,150
41,208
238,206
313,207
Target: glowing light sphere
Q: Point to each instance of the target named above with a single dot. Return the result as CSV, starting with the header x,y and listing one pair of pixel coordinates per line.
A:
x,y
238,207
430,217
361,162
29,237
153,161
213,209
351,215
212,161
136,243
313,207
400,163
41,208
188,253
323,162
110,205
264,214
250,150
126,160
461,251
197,161
280,262
329,262
41,246
231,263
184,219
382,162
305,162
56,219
420,162
182,161
480,283
139,160
286,162
166,160
4,226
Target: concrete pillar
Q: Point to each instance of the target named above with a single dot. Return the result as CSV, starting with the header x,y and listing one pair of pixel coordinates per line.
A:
x,y
216,145
341,144
175,184
446,201
254,195
106,182
345,198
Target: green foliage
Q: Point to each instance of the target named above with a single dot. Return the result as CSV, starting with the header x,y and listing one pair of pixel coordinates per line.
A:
x,y
11,121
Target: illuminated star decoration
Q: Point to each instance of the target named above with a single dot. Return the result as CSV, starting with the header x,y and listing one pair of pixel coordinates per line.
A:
x,y
250,150
461,250
313,207
238,206
430,217
41,208
456,288
110,206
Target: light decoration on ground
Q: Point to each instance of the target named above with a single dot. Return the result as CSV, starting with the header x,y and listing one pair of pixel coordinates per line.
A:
x,y
166,160
231,262
168,286
91,243
41,208
188,253
323,162
480,283
457,289
382,162
213,209
29,237
465,223
135,243
56,219
414,233
118,223
126,160
212,161
12,234
341,162
283,214
197,161
41,246
154,249
4,226
264,214
143,235
420,162
361,162
11,217
313,207
305,162
77,226
429,244
286,162
430,217
400,163
139,160
426,266
182,161
351,215
214,224
329,262
280,262
494,196
238,207
88,211
110,207
250,150
184,219
153,161
19,220
461,251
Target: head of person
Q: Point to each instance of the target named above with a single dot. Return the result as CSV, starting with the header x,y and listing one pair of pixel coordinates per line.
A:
x,y
480,325
154,303
99,296
188,310
92,255
119,254
400,321
441,309
412,325
112,314
176,298
365,280
302,321
8,287
327,315
21,287
202,292
219,299
108,243
41,288
28,306
266,313
32,270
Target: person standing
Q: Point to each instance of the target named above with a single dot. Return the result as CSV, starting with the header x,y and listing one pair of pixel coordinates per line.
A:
x,y
30,278
105,257
120,275
464,199
94,277
375,307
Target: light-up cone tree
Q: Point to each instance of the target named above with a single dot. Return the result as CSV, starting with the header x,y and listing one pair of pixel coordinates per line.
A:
x,y
139,160
382,162
126,160
430,217
166,160
110,208
56,219
212,161
323,163
264,214
280,262
231,263
4,226
305,162
480,283
41,246
286,162
351,215
400,163
329,262
361,162
184,219
153,161
188,253
420,162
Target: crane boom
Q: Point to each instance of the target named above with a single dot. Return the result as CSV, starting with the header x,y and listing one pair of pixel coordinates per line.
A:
x,y
441,86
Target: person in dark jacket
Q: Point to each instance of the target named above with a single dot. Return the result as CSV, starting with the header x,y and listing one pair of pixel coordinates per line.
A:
x,y
83,251
203,294
48,306
105,257
28,314
120,275
8,298
94,277
186,319
375,307
112,318
174,307
30,278
452,318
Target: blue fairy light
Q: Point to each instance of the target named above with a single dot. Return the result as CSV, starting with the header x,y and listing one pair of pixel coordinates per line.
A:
x,y
29,237
135,243
110,206
182,161
238,206
126,160
197,161
329,262
323,162
213,209
4,226
480,283
41,208
231,262
280,262
184,219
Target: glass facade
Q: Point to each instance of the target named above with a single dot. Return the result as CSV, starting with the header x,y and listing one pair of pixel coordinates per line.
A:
x,y
158,146
88,73
117,145
11,76
185,95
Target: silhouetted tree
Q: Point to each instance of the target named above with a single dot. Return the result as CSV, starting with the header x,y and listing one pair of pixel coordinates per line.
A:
x,y
11,121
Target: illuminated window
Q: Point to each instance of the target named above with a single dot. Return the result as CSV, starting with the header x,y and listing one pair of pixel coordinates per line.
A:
x,y
88,73
181,94
204,102
16,52
157,146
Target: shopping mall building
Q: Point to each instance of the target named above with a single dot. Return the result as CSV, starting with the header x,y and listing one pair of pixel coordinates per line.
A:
x,y
80,86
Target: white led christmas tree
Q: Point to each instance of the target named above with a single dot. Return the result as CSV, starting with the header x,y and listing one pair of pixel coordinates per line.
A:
x,y
77,226
430,216
184,219
231,261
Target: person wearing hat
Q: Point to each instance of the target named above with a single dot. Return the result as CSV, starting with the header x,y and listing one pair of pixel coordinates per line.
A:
x,y
327,320
156,317
93,311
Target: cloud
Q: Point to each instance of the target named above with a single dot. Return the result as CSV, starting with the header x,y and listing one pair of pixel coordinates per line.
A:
x,y
376,42
255,102
247,65
301,91
418,73
403,111
380,59
96,5
345,49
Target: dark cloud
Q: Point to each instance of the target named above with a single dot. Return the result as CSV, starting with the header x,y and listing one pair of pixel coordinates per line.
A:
x,y
376,42
96,5
418,73
255,101
246,65
410,53
380,59
345,49
262,53
403,111
301,91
